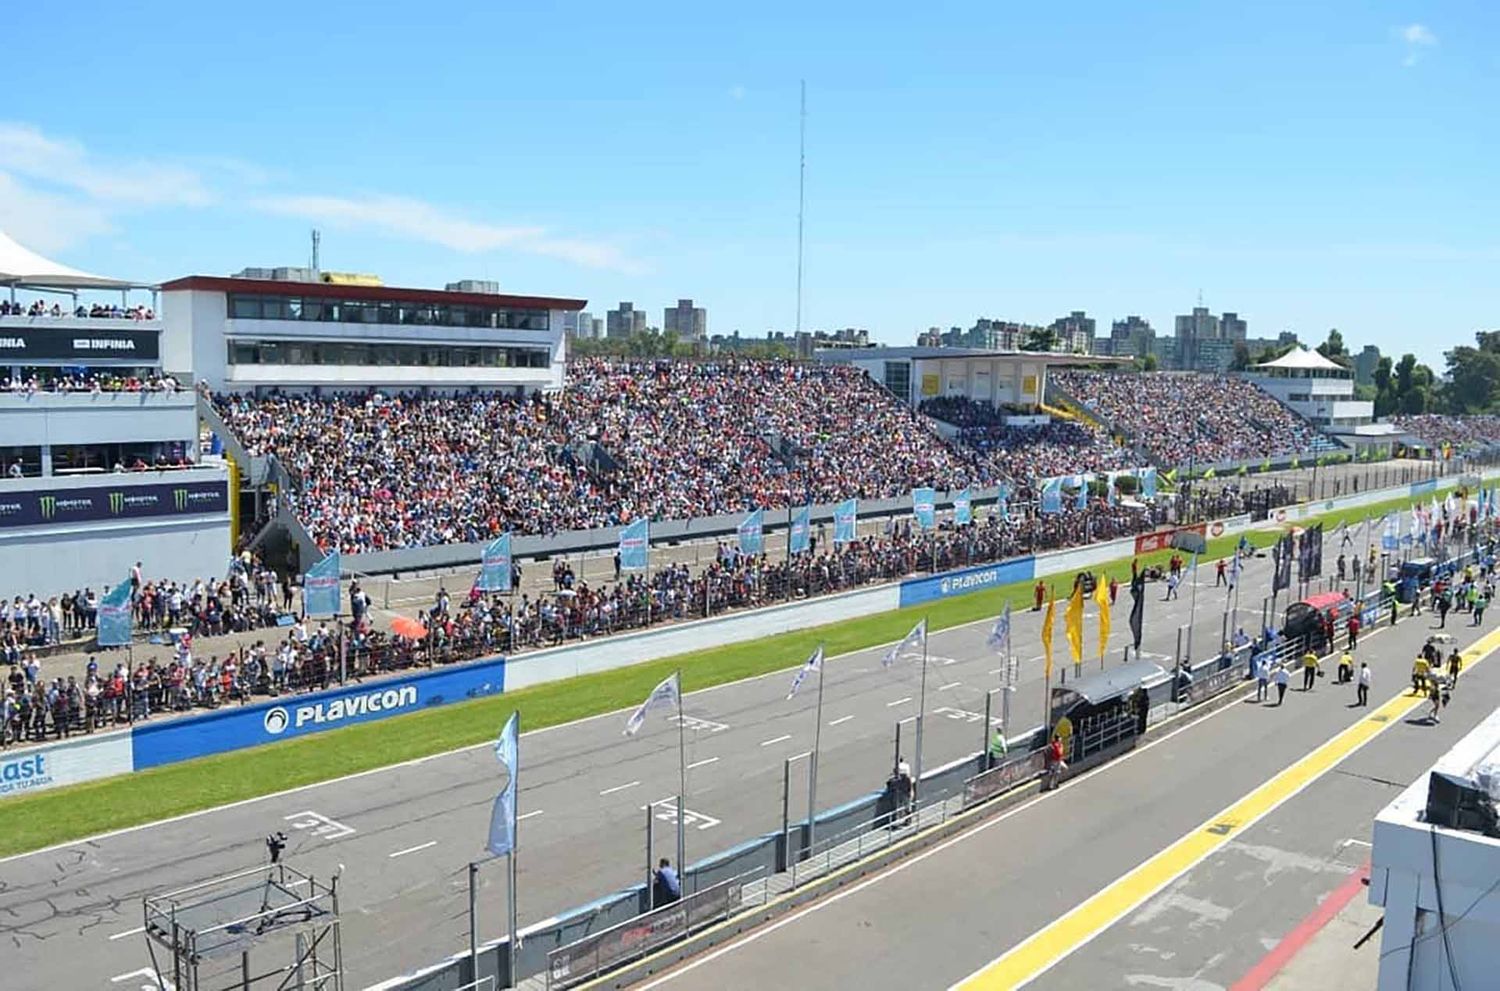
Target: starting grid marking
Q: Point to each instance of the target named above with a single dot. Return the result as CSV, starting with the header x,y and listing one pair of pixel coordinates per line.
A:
x,y
667,812
701,725
148,980
963,715
321,826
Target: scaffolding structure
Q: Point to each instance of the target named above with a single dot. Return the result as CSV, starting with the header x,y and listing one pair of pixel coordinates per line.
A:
x,y
206,932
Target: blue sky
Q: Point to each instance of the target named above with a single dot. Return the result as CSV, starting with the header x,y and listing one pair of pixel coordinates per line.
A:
x,y
1307,165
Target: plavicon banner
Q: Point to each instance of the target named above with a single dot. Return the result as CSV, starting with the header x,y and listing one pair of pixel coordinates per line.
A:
x,y
298,715
82,346
59,507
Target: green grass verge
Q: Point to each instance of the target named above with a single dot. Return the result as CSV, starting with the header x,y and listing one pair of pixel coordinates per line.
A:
x,y
33,821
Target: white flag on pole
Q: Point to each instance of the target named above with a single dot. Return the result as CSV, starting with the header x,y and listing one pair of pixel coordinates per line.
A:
x,y
1000,635
812,664
667,693
910,646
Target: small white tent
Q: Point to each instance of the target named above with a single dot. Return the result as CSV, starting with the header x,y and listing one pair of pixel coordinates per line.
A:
x,y
23,267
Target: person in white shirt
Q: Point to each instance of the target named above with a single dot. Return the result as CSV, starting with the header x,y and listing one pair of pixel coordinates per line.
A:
x,y
1363,687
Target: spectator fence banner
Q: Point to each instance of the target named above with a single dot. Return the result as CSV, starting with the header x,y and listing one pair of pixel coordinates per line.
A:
x,y
233,728
635,543
966,580
845,518
1082,481
495,569
799,533
1158,540
114,617
924,507
752,533
642,935
963,507
128,501
65,762
1147,478
320,594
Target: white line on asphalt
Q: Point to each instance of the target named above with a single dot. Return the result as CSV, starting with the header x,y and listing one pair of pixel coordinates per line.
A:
x,y
1348,842
700,763
777,740
891,705
611,791
413,849
528,815
841,719
996,671
128,932
951,684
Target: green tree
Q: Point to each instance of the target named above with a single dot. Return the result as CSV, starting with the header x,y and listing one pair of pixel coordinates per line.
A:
x,y
1333,349
1241,359
1385,391
1474,376
1040,339
1414,386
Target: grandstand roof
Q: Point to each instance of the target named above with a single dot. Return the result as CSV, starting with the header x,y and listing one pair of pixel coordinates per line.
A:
x,y
923,353
21,266
395,294
1303,360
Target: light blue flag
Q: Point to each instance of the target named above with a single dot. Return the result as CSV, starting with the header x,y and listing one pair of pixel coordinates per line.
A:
x,y
320,593
800,535
495,571
813,663
963,508
752,533
1083,492
911,646
1002,504
503,815
1000,636
924,507
1148,483
1052,495
668,693
1109,489
1390,538
845,517
115,617
635,541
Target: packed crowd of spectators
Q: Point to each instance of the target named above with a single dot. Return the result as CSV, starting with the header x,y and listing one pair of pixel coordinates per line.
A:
x,y
1182,418
96,311
94,381
1461,432
1023,454
678,440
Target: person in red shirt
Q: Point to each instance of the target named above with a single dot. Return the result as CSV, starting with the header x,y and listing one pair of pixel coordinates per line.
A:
x,y
1041,592
1353,627
1055,762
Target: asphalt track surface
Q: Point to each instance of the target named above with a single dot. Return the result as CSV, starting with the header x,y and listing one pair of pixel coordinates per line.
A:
x,y
405,834
1062,892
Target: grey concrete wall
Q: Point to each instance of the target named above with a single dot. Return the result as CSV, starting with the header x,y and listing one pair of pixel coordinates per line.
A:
x,y
106,418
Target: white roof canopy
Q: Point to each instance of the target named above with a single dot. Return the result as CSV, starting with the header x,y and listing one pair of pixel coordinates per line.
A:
x,y
1300,359
23,267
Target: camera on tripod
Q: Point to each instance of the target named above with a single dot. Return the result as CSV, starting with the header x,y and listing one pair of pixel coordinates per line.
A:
x,y
275,843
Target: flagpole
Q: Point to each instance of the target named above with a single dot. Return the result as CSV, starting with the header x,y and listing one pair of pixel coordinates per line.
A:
x,y
1192,611
1010,687
812,769
681,787
921,706
510,857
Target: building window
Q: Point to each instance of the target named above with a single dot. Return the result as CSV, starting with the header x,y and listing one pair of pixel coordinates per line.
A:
x,y
898,379
341,353
260,306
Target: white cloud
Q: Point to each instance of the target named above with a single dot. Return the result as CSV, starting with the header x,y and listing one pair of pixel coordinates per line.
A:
x,y
422,221
1418,34
1416,38
46,222
67,165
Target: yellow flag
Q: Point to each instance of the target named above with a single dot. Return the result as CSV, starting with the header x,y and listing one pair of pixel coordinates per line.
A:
x,y
1047,618
1101,598
1073,623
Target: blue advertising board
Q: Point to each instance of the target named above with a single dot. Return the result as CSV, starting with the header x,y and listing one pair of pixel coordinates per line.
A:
x,y
291,716
962,582
1424,488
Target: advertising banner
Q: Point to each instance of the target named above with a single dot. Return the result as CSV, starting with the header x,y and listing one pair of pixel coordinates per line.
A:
x,y
963,508
924,507
495,568
83,346
752,533
284,719
800,534
320,593
1160,540
64,763
845,515
57,507
635,544
967,580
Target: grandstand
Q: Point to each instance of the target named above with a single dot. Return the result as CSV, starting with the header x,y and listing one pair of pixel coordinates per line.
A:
x,y
1435,431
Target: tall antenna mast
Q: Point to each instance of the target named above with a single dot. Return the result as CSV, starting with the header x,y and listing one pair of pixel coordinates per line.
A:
x,y
317,238
801,196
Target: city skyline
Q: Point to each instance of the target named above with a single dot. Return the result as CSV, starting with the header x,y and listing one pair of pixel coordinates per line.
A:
x,y
953,168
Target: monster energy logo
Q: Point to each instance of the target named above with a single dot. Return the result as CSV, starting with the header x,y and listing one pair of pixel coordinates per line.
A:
x,y
180,498
49,507
116,502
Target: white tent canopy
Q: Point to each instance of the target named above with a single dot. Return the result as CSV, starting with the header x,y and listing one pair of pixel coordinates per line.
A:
x,y
1300,359
23,267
